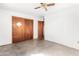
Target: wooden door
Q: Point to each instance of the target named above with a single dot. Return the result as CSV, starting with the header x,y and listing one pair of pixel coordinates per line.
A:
x,y
17,29
40,30
28,29
22,29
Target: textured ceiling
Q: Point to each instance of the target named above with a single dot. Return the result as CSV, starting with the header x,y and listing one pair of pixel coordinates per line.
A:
x,y
29,7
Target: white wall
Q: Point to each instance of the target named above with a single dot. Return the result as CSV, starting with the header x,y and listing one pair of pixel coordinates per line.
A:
x,y
62,26
6,25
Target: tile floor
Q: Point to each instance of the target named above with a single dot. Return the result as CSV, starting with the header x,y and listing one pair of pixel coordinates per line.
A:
x,y
37,47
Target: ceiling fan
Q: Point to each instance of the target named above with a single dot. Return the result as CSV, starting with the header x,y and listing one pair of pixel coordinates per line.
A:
x,y
45,5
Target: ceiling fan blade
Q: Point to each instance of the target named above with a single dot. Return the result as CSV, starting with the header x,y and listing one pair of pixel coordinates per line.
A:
x,y
37,7
51,4
45,8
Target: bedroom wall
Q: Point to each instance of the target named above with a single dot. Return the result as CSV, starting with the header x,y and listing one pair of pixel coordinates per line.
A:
x,y
62,26
6,25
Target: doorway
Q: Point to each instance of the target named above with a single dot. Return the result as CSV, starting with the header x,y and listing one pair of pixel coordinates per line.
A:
x,y
40,30
22,29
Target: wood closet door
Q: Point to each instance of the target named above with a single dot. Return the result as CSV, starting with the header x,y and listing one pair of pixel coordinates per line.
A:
x,y
22,29
28,29
18,25
40,30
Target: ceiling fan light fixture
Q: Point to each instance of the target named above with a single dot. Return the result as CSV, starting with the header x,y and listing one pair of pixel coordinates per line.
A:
x,y
45,5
